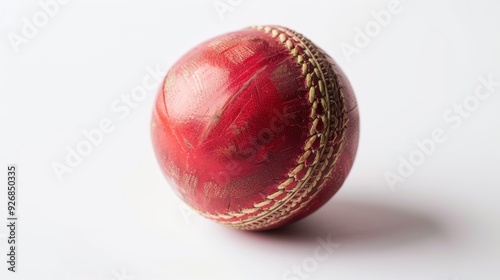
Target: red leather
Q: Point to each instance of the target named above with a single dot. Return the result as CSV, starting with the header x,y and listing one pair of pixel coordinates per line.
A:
x,y
231,121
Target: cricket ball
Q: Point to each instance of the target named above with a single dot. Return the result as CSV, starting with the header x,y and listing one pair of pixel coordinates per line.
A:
x,y
256,128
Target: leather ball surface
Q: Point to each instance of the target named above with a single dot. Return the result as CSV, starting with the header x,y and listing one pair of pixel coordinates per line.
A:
x,y
256,128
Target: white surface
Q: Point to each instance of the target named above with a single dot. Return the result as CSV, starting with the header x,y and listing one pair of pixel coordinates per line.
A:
x,y
114,215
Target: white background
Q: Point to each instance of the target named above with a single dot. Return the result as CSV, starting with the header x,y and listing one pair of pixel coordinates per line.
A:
x,y
115,217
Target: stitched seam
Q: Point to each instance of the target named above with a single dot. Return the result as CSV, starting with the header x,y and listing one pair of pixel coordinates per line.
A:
x,y
288,209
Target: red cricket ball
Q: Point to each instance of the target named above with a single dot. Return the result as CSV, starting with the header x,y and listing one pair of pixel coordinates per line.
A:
x,y
256,128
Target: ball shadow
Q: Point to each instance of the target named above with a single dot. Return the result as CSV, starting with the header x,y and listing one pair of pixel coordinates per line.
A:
x,y
359,222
